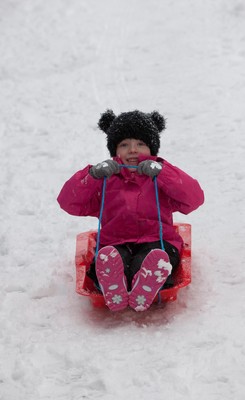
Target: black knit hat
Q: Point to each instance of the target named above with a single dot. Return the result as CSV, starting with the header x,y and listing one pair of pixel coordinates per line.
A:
x,y
132,124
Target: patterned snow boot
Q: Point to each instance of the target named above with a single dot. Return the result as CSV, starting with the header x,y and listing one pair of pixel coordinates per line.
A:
x,y
110,274
149,279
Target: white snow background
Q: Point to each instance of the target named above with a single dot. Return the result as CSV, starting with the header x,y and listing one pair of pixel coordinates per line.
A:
x,y
61,65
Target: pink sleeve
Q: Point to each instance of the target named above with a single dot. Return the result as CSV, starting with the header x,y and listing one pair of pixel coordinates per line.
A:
x,y
80,195
185,192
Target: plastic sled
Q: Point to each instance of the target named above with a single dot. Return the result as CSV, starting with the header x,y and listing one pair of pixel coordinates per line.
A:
x,y
85,250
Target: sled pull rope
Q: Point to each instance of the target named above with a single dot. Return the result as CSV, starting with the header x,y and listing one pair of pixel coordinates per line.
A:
x,y
157,202
103,203
100,217
159,213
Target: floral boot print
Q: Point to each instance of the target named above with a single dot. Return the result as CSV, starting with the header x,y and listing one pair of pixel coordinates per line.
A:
x,y
149,279
110,274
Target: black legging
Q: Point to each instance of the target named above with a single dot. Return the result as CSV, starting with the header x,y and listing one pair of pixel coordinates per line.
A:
x,y
133,255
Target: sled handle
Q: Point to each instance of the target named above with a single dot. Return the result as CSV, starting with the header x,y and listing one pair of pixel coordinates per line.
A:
x,y
103,203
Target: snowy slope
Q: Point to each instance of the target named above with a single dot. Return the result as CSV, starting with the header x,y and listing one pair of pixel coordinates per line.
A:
x,y
61,65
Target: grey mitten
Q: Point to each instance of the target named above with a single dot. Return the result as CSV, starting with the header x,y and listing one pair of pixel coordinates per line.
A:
x,y
105,168
150,168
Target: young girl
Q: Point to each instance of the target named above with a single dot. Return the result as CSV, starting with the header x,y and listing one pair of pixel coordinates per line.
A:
x,y
131,267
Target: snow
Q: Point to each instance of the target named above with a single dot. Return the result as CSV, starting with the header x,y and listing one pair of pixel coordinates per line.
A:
x,y
61,65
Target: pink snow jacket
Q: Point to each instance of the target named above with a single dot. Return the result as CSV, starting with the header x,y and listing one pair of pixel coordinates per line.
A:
x,y
130,210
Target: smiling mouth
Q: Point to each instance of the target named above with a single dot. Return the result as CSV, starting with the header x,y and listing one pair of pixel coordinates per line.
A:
x,y
132,161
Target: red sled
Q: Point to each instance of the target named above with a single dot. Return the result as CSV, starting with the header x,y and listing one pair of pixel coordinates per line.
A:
x,y
85,250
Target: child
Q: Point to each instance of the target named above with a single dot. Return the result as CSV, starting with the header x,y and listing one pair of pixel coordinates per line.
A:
x,y
131,267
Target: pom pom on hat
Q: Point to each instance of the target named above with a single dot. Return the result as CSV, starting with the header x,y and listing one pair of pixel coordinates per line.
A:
x,y
135,125
106,120
159,120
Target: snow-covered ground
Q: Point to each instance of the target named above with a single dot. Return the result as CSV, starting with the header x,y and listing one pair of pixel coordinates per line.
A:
x,y
62,64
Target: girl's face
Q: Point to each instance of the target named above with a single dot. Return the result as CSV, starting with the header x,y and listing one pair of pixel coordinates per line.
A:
x,y
130,149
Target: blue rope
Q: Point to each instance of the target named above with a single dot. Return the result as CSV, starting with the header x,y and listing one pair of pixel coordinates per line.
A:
x,y
103,203
128,166
160,228
100,217
159,213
